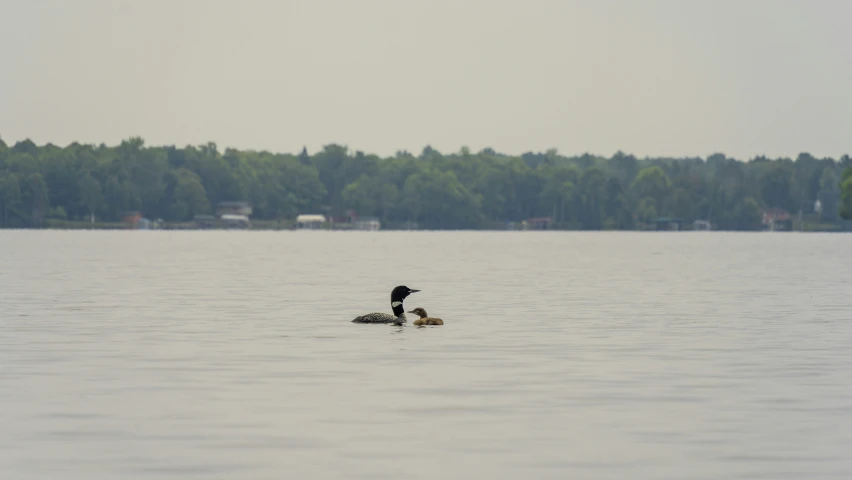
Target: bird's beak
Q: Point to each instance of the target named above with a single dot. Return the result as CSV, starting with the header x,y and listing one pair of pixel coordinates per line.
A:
x,y
412,291
410,311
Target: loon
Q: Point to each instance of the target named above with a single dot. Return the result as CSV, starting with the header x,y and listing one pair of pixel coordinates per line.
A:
x,y
425,319
398,294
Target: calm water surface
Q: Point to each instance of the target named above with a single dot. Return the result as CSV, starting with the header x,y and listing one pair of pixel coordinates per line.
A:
x,y
230,355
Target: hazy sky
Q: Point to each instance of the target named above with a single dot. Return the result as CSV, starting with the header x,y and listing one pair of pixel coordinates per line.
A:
x,y
649,77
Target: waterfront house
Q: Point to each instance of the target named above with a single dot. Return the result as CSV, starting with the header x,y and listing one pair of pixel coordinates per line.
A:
x,y
310,221
371,224
231,220
777,219
539,223
233,208
701,225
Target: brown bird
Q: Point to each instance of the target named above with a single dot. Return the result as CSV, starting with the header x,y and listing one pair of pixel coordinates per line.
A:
x,y
425,319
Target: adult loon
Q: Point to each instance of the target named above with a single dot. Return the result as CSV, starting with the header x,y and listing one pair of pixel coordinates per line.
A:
x,y
398,294
425,319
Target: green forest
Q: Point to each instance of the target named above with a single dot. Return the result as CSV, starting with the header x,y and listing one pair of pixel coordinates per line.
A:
x,y
459,190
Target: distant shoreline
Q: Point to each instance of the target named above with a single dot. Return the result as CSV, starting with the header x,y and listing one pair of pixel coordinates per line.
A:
x,y
281,226
196,187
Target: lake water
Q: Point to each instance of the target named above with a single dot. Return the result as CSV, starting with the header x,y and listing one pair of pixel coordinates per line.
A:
x,y
231,355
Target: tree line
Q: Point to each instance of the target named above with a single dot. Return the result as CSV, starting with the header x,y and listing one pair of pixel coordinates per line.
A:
x,y
458,190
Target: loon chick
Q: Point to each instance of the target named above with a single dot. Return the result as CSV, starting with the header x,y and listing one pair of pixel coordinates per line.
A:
x,y
398,294
425,319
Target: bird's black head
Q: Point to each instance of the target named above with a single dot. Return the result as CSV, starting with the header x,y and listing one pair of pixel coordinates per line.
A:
x,y
399,293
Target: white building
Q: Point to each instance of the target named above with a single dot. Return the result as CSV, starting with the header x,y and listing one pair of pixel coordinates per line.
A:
x,y
232,220
701,225
310,221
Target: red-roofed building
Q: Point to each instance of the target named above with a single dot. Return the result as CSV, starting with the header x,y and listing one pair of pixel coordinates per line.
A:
x,y
777,219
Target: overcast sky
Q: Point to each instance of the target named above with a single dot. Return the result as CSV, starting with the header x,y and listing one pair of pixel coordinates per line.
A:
x,y
649,77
